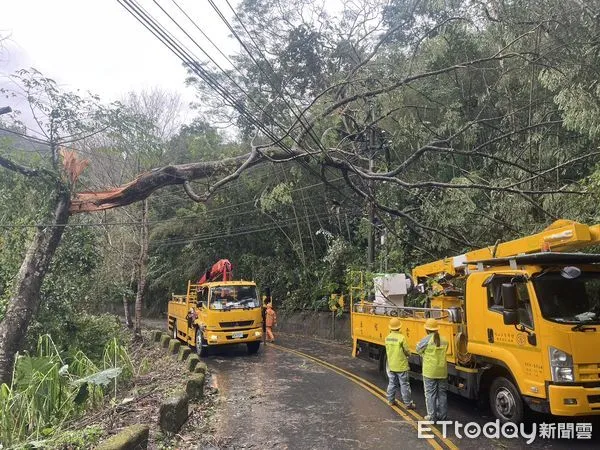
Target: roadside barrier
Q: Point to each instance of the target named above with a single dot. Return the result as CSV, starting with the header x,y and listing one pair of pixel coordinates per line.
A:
x,y
134,437
174,411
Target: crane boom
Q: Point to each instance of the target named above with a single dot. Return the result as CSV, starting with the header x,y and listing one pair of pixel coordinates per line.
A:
x,y
562,235
222,268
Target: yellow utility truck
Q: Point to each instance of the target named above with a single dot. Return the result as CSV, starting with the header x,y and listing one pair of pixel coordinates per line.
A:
x,y
217,312
522,318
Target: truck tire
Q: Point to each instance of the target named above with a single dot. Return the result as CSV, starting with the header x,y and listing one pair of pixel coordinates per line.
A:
x,y
383,368
505,401
201,346
253,347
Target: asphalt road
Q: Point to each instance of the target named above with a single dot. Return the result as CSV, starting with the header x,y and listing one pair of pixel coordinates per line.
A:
x,y
279,399
459,409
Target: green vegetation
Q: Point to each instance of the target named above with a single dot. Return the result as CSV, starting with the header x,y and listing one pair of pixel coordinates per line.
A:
x,y
47,390
408,130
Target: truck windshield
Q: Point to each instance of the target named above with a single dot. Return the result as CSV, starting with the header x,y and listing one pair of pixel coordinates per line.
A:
x,y
233,297
569,300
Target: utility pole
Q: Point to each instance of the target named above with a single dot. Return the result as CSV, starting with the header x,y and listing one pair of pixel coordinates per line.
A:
x,y
371,206
371,215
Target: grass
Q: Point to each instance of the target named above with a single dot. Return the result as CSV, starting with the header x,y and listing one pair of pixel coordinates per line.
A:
x,y
46,391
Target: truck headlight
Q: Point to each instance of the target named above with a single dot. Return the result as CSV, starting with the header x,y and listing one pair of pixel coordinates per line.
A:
x,y
257,333
214,337
561,365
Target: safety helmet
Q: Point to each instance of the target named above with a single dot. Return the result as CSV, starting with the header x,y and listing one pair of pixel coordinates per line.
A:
x,y
394,324
431,325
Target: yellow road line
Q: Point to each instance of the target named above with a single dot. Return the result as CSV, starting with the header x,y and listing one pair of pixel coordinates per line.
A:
x,y
379,393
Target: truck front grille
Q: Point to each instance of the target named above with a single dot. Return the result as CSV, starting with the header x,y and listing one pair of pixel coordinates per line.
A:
x,y
242,323
589,372
231,338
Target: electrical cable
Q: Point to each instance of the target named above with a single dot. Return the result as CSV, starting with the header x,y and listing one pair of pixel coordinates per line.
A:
x,y
183,53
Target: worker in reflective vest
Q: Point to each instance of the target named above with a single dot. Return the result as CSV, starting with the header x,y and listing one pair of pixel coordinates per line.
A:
x,y
396,349
433,350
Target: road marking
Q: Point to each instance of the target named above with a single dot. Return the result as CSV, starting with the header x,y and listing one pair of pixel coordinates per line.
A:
x,y
377,392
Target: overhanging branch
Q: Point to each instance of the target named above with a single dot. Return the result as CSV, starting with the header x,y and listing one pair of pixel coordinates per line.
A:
x,y
23,170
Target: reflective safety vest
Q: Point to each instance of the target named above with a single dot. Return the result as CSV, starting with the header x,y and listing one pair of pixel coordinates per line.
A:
x,y
434,359
395,342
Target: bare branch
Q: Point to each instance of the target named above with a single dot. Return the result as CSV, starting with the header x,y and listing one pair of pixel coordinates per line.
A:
x,y
187,187
558,166
390,87
23,170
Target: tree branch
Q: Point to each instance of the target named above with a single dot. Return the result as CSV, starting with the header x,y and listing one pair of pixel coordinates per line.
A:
x,y
146,183
253,157
23,170
399,213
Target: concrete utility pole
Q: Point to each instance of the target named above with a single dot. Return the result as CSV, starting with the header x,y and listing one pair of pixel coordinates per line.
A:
x,y
371,207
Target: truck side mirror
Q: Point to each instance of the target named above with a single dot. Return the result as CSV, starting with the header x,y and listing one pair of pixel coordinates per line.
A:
x,y
509,301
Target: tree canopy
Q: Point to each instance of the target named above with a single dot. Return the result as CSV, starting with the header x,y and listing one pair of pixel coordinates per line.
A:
x,y
442,126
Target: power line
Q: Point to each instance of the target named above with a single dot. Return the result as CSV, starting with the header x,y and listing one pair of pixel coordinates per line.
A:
x,y
186,56
206,37
282,91
238,232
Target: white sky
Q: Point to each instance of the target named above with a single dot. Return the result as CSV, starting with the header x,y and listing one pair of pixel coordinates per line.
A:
x,y
97,46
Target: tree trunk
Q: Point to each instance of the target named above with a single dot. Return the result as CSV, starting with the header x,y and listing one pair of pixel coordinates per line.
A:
x,y
143,266
128,321
26,299
126,306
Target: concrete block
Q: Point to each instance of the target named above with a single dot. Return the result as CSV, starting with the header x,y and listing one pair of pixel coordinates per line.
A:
x,y
134,437
173,413
192,362
156,334
195,386
174,345
184,352
164,340
200,368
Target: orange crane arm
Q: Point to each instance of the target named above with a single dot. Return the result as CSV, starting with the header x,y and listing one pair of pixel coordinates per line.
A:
x,y
222,268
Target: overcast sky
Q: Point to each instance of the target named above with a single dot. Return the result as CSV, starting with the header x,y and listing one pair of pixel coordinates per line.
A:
x,y
98,46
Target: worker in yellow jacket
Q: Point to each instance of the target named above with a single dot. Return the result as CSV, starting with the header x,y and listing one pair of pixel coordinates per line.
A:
x,y
432,349
396,349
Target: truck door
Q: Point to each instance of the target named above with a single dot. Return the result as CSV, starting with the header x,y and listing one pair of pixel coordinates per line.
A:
x,y
200,308
516,346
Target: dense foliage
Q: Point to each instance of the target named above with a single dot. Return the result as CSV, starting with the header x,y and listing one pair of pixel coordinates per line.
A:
x,y
461,122
499,98
413,128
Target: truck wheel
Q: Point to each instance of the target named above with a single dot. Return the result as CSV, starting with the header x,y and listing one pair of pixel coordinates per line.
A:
x,y
505,401
253,347
383,368
201,346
